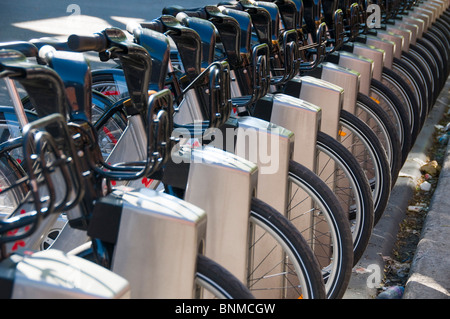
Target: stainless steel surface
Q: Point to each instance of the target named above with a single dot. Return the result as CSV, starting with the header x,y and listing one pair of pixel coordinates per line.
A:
x,y
428,11
132,142
396,38
132,146
70,238
411,27
329,97
345,78
303,119
222,184
403,32
416,21
360,64
421,16
51,274
270,147
157,244
373,53
385,45
189,109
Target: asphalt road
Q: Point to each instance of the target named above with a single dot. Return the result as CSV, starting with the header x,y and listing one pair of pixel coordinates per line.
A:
x,y
27,19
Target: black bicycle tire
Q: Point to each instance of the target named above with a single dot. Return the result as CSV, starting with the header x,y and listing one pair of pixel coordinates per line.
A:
x,y
420,52
417,81
438,58
336,284
221,279
420,78
371,141
300,249
345,159
401,89
394,105
376,112
441,50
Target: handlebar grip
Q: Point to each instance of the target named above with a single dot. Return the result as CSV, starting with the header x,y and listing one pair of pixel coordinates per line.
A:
x,y
153,25
79,43
195,12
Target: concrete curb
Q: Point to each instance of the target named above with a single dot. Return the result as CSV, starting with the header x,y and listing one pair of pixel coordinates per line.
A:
x,y
428,277
368,272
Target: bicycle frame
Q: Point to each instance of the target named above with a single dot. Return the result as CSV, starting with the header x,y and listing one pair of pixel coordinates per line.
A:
x,y
151,210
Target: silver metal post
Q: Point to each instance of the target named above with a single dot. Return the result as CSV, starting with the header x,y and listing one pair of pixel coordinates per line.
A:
x,y
17,102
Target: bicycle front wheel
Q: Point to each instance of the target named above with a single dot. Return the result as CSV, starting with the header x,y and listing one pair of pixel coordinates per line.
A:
x,y
315,211
396,111
281,264
380,123
368,151
217,281
338,168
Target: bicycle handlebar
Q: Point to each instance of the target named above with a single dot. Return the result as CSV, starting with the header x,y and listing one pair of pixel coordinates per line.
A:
x,y
80,43
194,12
26,48
58,45
154,25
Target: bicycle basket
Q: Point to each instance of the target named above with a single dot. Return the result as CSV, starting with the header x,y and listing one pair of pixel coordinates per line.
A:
x,y
52,180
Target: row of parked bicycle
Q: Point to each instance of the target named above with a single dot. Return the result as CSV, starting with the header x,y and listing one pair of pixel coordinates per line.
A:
x,y
238,150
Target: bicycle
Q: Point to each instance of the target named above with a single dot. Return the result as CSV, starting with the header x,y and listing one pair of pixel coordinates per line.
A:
x,y
307,147
211,275
47,274
185,37
269,212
